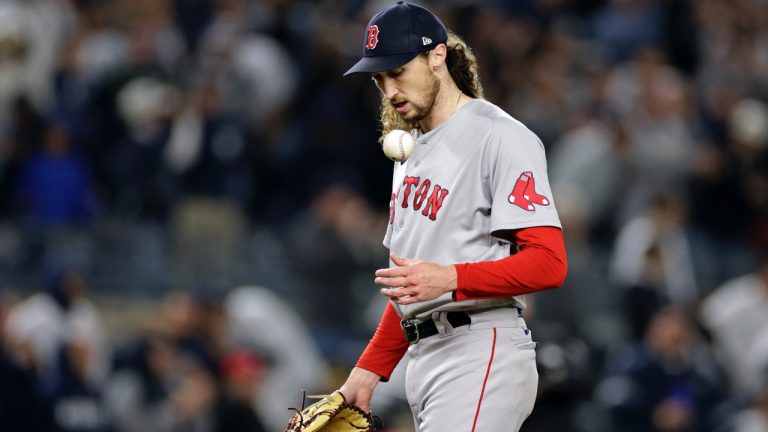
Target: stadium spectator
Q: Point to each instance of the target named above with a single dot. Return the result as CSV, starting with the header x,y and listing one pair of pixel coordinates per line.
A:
x,y
667,382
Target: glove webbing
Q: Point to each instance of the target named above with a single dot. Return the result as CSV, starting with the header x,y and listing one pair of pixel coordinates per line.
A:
x,y
299,420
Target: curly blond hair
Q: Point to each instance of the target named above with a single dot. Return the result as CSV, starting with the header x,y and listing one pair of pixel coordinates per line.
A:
x,y
462,65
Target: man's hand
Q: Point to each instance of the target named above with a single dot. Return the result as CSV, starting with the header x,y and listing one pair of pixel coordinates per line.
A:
x,y
413,281
358,389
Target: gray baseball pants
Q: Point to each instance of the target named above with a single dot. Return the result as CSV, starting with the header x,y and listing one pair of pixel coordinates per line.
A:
x,y
479,377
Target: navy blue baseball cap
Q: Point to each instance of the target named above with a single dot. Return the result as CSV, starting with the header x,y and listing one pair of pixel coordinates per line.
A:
x,y
396,35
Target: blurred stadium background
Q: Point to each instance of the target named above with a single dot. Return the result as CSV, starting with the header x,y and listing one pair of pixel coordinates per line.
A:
x,y
192,202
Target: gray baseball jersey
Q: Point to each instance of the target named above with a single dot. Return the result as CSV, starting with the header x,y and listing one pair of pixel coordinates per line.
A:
x,y
477,173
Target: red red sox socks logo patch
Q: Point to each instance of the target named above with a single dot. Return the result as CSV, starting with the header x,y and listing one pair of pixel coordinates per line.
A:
x,y
524,193
373,37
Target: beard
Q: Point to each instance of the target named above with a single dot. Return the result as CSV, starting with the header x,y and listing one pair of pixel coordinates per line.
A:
x,y
422,109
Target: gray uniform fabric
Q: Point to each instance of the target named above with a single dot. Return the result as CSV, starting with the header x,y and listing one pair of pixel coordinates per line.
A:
x,y
452,195
478,173
480,377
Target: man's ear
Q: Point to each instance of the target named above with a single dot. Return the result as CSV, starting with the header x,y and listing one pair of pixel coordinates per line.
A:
x,y
437,56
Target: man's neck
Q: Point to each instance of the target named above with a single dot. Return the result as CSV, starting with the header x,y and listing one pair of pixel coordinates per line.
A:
x,y
446,103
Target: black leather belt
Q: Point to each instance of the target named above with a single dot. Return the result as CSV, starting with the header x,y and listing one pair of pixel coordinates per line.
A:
x,y
415,331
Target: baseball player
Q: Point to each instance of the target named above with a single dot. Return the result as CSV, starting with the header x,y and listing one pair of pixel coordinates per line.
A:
x,y
472,229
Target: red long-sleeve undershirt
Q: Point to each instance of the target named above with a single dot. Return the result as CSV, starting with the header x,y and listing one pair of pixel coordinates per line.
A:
x,y
540,264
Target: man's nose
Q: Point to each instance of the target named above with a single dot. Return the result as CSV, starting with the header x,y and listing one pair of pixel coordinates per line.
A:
x,y
389,89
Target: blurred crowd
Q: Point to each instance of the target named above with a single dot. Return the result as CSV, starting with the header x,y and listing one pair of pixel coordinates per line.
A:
x,y
192,202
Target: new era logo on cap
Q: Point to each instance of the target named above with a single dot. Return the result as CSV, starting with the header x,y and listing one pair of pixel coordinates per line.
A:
x,y
396,35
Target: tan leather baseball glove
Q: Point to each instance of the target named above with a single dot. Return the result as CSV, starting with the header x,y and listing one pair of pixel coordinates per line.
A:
x,y
332,413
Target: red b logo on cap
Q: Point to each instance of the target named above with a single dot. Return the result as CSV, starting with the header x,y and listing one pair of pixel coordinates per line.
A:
x,y
373,37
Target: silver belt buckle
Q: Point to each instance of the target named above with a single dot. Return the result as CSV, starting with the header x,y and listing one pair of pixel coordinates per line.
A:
x,y
411,331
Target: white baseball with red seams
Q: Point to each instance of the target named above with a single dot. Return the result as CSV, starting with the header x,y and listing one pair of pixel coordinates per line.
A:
x,y
398,145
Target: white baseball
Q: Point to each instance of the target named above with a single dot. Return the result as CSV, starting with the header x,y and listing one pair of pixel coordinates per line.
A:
x,y
398,145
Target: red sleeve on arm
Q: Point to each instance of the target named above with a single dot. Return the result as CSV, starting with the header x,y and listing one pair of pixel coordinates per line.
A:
x,y
540,264
387,346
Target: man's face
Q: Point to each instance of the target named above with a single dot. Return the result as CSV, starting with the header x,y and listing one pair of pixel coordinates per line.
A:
x,y
411,88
